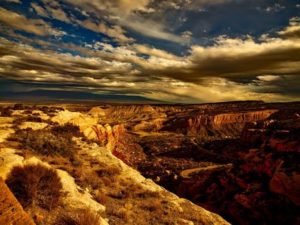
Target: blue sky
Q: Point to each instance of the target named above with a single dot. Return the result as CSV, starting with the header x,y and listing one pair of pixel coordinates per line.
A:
x,y
177,51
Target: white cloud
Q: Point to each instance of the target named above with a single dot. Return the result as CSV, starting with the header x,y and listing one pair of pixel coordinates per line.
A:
x,y
268,77
123,13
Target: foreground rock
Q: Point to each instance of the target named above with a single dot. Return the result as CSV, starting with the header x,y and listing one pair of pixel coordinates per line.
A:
x,y
11,212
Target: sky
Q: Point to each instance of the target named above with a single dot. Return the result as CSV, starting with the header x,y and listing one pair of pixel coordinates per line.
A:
x,y
169,51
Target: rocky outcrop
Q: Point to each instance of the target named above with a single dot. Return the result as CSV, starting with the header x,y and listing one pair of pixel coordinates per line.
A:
x,y
97,112
242,117
115,138
11,212
131,109
127,111
149,126
118,141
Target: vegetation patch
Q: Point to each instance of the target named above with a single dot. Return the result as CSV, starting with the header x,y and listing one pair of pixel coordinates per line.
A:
x,y
35,185
67,129
79,217
5,111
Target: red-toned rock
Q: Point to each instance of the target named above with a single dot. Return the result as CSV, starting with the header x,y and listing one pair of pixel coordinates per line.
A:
x,y
286,185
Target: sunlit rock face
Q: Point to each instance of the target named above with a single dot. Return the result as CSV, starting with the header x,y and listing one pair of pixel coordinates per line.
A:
x,y
12,209
212,126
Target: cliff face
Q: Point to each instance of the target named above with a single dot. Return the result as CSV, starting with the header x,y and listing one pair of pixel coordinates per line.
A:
x,y
130,111
217,126
244,117
118,141
263,184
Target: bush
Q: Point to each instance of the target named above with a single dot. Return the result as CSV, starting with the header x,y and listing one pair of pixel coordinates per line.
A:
x,y
80,217
35,185
109,171
5,111
18,106
45,142
19,120
67,129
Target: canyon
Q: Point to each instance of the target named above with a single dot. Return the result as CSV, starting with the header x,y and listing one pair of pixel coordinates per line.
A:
x,y
201,163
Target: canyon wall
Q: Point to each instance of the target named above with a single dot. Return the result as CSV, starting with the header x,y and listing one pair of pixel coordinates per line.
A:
x,y
216,126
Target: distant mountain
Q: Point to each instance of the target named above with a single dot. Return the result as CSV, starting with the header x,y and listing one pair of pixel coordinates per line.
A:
x,y
50,95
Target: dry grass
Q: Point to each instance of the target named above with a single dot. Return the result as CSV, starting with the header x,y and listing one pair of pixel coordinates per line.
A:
x,y
44,142
108,171
80,217
95,178
86,179
101,197
35,185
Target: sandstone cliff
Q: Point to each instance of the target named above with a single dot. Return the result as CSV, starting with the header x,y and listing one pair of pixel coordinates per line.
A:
x,y
217,126
11,212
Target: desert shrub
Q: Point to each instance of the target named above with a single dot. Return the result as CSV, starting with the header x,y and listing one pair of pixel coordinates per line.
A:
x,y
67,129
34,119
19,120
27,112
109,171
121,213
80,217
101,197
35,185
18,107
5,111
44,142
87,179
50,110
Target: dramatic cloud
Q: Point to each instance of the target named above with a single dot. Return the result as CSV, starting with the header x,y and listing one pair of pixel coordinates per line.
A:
x,y
237,57
19,22
293,30
25,62
158,29
115,31
128,14
174,50
51,11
